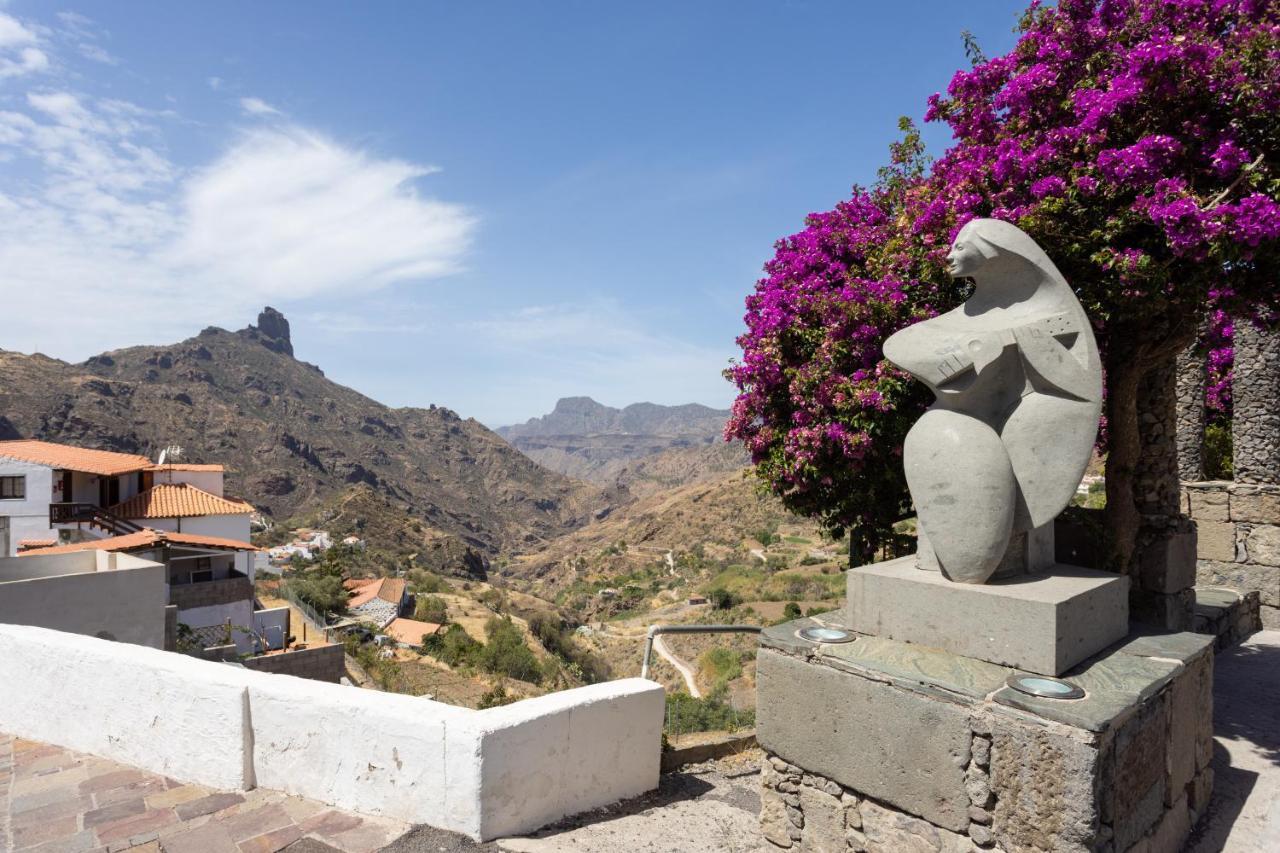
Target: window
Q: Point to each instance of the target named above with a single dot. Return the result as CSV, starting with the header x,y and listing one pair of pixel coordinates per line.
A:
x,y
13,488
203,572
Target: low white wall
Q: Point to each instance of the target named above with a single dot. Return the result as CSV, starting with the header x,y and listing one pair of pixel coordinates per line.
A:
x,y
563,753
163,712
379,753
272,624
482,773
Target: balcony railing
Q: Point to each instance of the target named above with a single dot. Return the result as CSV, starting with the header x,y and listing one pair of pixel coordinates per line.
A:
x,y
92,514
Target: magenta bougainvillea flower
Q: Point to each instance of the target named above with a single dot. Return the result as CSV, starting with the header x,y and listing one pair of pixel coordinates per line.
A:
x,y
1136,140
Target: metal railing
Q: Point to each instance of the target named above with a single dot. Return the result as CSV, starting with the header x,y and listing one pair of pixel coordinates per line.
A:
x,y
318,623
655,630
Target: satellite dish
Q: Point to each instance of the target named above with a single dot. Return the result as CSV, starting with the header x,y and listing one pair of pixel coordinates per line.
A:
x,y
170,454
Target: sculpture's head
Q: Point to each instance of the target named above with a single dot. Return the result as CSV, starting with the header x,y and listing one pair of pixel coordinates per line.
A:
x,y
983,241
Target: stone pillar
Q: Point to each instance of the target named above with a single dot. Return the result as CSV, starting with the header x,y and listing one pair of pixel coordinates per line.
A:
x,y
1166,553
1255,391
1190,391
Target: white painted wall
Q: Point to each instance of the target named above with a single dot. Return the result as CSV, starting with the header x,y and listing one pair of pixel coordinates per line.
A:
x,y
122,600
482,773
29,517
567,752
273,624
206,481
160,711
225,526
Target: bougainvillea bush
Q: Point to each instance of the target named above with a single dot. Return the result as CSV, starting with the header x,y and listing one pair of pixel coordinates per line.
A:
x,y
1137,142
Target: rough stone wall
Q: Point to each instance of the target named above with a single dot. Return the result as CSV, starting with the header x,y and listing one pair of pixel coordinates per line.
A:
x,y
1255,390
1238,527
1190,429
1031,784
319,663
1165,571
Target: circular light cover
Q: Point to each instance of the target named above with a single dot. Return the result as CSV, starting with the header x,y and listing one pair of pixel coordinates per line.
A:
x,y
1045,687
822,634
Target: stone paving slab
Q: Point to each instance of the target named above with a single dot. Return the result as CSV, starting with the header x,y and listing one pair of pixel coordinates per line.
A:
x,y
53,800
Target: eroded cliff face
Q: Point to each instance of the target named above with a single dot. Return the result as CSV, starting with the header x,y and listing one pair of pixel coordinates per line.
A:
x,y
644,446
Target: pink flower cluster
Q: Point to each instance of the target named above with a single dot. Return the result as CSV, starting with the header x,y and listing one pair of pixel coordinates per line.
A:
x,y
1136,140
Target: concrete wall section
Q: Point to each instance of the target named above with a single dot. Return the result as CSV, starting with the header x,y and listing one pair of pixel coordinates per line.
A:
x,y
566,752
239,613
372,752
125,605
166,713
273,624
318,663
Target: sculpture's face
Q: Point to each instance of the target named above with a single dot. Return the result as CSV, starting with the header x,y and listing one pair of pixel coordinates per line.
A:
x,y
964,259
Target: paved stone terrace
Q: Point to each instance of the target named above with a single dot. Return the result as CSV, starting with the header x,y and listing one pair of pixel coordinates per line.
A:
x,y
58,801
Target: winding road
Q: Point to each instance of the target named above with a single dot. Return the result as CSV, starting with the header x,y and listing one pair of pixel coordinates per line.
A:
x,y
690,680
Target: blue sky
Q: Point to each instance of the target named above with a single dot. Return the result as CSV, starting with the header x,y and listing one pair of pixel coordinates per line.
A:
x,y
485,206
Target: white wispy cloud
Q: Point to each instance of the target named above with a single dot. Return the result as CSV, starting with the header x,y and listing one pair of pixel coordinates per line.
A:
x,y
105,240
19,54
257,107
97,53
215,83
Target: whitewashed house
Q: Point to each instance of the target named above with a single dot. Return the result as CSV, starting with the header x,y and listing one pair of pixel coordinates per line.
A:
x,y
66,499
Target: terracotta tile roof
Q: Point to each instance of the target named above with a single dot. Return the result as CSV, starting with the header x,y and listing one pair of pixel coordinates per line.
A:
x,y
185,466
37,543
178,500
102,462
144,539
411,631
392,589
364,591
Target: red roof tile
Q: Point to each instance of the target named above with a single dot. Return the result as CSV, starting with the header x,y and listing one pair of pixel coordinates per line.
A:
x,y
411,631
102,462
178,500
145,539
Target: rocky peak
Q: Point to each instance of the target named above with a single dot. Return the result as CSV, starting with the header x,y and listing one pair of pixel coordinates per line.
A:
x,y
275,329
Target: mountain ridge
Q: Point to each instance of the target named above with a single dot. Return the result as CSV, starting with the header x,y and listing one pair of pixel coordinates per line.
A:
x,y
293,439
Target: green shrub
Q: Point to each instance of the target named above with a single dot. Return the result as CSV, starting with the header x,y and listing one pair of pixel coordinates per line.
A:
x,y
1218,463
496,696
721,665
431,608
506,654
722,599
425,583
712,714
493,599
320,589
455,647
791,611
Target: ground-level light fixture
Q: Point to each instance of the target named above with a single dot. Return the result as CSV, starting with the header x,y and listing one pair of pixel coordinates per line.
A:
x,y
823,634
1045,687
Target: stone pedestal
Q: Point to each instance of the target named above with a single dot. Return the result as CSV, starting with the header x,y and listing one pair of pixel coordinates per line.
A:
x,y
889,747
1043,623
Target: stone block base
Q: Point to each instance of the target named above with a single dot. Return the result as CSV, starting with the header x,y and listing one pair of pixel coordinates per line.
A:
x,y
1226,614
1044,623
888,747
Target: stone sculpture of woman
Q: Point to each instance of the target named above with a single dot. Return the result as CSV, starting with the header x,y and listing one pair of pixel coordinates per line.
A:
x,y
1018,382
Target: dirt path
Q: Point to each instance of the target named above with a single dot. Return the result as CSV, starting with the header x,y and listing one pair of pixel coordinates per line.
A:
x,y
688,673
